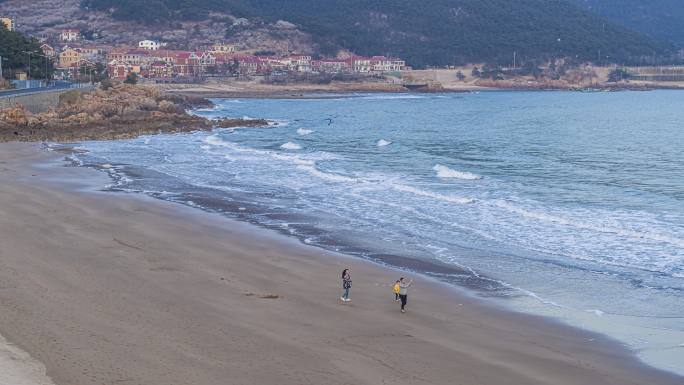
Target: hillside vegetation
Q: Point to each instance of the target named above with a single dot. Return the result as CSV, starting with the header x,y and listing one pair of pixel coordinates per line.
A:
x,y
15,48
661,19
436,32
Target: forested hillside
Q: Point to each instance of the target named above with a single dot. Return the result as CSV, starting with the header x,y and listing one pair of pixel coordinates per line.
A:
x,y
435,32
661,19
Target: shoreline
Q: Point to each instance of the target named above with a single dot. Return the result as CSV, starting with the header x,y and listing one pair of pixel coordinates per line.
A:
x,y
331,94
304,91
474,340
18,368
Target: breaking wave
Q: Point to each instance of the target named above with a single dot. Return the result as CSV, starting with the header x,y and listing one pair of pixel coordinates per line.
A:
x,y
290,146
446,172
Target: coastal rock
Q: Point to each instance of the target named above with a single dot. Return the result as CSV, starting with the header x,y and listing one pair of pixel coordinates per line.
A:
x,y
120,112
229,123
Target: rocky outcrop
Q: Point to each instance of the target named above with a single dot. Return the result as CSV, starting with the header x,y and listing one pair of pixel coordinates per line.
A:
x,y
121,112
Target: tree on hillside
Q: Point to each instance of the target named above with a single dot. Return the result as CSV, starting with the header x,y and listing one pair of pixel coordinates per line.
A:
x,y
460,76
18,51
531,68
617,75
131,78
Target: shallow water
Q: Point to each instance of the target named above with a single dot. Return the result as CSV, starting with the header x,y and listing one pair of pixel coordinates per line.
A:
x,y
557,203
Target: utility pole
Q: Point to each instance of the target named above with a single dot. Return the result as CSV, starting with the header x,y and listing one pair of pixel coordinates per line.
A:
x,y
46,68
29,63
514,57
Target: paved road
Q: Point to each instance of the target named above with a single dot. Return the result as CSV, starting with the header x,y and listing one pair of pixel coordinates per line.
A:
x,y
28,91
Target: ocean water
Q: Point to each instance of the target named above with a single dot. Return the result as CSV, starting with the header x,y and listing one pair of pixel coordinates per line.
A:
x,y
569,205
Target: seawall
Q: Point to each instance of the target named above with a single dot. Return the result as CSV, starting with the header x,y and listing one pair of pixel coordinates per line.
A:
x,y
36,102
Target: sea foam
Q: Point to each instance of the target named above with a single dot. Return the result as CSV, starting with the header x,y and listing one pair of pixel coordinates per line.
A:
x,y
596,312
311,169
446,172
290,146
383,143
237,151
588,225
278,122
304,131
431,194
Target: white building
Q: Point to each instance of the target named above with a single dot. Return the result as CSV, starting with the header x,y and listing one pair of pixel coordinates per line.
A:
x,y
386,64
361,64
150,45
298,63
240,22
222,48
70,35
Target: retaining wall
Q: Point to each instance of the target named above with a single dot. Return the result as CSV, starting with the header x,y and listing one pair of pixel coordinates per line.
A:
x,y
35,102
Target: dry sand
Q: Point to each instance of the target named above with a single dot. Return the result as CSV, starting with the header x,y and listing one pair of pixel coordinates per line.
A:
x,y
254,88
107,288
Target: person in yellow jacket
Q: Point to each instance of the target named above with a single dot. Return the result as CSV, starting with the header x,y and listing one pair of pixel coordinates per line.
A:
x,y
396,289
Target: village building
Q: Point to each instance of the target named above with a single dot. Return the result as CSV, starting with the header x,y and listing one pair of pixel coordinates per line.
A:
x,y
74,69
240,22
48,50
70,35
223,58
187,64
119,69
8,22
222,48
248,65
207,62
166,56
160,69
297,63
91,52
150,45
386,64
68,57
218,58
360,64
269,64
330,65
135,57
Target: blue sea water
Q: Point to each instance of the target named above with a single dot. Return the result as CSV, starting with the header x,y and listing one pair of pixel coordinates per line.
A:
x,y
569,205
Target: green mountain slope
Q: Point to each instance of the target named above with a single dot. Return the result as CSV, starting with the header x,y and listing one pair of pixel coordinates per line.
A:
x,y
435,32
661,19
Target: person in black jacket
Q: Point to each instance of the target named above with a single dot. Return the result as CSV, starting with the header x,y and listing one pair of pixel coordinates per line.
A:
x,y
346,285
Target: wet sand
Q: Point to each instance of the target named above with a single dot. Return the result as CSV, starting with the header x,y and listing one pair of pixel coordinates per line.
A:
x,y
106,288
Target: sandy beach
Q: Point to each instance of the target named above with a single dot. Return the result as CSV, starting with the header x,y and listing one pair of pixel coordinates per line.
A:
x,y
105,288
